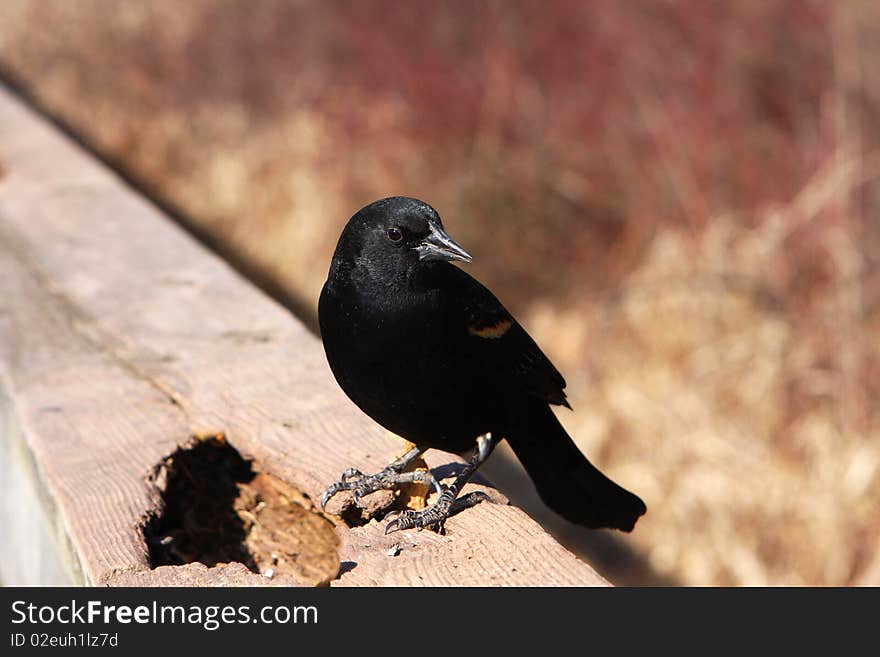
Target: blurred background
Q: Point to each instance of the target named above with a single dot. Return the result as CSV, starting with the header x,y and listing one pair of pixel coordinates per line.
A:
x,y
679,200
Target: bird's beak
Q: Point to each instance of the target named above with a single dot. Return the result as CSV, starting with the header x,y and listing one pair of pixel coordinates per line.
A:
x,y
439,246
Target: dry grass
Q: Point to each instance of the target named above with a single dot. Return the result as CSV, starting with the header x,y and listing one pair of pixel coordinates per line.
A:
x,y
697,373
680,201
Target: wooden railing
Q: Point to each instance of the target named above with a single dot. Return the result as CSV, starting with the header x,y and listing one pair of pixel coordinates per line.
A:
x,y
158,409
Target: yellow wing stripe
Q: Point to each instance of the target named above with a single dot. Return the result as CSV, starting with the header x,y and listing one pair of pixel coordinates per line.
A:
x,y
491,331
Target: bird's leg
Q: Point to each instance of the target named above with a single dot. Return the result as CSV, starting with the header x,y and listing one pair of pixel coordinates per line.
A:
x,y
439,511
389,477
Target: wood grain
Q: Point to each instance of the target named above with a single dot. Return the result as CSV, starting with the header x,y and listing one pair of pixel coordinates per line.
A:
x,y
121,337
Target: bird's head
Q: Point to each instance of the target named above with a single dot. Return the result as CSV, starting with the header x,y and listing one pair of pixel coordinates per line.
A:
x,y
395,235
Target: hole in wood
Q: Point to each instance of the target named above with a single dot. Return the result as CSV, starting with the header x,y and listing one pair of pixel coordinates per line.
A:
x,y
217,508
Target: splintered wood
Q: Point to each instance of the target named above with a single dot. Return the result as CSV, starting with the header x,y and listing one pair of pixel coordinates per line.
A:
x,y
121,338
216,509
414,495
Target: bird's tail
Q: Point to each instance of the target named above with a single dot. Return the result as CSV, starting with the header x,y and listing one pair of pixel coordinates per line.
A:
x,y
566,481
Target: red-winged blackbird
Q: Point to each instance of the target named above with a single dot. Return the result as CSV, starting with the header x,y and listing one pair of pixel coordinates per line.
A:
x,y
430,354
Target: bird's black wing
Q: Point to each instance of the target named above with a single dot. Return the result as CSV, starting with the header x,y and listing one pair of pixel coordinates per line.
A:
x,y
494,337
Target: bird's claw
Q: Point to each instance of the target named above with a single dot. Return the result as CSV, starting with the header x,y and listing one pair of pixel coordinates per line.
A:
x,y
360,484
328,493
469,500
350,473
436,514
410,519
341,485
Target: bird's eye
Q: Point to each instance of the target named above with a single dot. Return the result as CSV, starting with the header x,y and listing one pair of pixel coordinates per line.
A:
x,y
394,234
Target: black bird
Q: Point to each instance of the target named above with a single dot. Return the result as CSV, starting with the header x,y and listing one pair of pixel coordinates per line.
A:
x,y
430,354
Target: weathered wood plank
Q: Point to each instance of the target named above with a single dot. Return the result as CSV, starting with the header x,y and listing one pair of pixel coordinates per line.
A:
x,y
41,562
121,337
